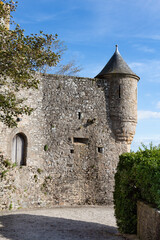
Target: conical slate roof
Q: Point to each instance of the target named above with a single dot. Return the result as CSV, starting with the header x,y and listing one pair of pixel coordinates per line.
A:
x,y
116,65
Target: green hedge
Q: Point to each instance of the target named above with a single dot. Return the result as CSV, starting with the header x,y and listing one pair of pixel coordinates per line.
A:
x,y
137,178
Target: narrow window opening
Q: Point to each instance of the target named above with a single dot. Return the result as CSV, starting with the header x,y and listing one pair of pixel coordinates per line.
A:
x,y
100,150
119,91
72,151
79,115
80,140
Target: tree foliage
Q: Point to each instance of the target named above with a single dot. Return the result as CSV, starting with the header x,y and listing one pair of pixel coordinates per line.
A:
x,y
68,69
21,57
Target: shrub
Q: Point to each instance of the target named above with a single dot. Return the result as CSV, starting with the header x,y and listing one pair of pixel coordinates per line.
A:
x,y
35,177
137,178
10,206
45,147
7,163
3,173
14,165
39,170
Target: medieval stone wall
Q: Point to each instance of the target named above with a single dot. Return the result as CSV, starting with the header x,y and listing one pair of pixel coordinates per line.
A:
x,y
148,222
72,152
32,126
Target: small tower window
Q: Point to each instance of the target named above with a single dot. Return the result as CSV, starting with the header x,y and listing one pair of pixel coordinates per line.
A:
x,y
80,140
79,115
100,150
72,151
119,91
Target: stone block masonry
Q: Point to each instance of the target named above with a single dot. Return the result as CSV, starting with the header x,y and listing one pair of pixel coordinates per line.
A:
x,y
148,227
66,152
69,137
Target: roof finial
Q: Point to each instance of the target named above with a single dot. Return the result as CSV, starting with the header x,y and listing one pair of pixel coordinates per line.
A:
x,y
116,48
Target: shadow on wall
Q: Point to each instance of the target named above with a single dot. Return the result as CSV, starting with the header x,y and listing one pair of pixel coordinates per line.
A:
x,y
101,83
36,227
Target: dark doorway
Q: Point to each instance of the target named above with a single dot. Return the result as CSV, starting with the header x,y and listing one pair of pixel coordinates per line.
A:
x,y
19,149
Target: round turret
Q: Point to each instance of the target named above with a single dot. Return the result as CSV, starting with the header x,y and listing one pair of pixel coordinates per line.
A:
x,y
122,83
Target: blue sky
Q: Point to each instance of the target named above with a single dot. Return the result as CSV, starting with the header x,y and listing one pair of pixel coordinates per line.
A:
x,y
91,28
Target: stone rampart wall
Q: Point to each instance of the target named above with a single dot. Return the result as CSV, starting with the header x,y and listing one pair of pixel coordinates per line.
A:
x,y
70,138
148,227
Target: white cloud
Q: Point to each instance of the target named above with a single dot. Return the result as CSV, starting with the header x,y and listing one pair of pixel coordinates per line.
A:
x,y
149,36
137,141
148,95
148,69
142,114
137,65
144,48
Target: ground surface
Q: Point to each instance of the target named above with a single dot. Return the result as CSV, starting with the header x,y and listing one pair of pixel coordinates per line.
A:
x,y
61,223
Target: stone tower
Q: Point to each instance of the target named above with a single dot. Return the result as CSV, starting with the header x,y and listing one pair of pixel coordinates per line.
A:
x,y
66,152
122,97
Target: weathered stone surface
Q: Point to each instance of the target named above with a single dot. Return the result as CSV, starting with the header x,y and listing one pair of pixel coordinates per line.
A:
x,y
73,137
148,227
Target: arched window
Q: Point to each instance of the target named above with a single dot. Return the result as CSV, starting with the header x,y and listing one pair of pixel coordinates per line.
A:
x,y
19,149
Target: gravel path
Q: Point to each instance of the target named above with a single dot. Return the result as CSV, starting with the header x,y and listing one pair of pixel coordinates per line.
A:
x,y
68,223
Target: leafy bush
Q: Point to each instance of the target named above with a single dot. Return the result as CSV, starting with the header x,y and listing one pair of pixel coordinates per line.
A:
x,y
45,147
3,173
39,170
7,163
137,178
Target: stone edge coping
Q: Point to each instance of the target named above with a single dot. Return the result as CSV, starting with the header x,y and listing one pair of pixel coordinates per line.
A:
x,y
3,212
130,236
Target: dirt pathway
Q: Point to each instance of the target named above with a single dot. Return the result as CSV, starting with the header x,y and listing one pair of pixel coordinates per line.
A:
x,y
68,223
